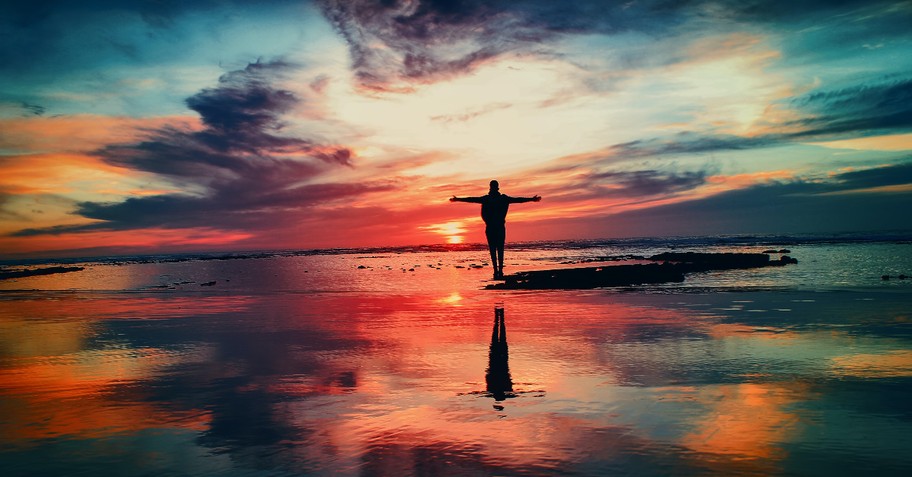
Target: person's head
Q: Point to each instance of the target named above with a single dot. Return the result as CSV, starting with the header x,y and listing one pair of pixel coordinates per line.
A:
x,y
495,186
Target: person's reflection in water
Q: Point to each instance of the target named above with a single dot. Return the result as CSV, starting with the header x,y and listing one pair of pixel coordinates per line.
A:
x,y
497,376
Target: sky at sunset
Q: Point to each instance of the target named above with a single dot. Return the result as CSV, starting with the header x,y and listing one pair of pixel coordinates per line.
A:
x,y
157,126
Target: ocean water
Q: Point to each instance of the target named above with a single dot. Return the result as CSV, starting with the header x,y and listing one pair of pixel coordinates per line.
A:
x,y
397,362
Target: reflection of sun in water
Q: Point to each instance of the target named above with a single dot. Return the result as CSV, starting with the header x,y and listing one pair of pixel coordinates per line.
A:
x,y
453,299
452,231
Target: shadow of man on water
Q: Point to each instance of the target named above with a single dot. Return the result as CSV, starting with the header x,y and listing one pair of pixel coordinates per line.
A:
x,y
497,376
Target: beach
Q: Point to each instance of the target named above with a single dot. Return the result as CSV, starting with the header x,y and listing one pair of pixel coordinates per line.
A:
x,y
400,362
455,238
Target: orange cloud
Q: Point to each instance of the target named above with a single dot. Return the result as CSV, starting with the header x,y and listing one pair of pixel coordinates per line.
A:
x,y
893,142
721,183
131,241
60,173
80,133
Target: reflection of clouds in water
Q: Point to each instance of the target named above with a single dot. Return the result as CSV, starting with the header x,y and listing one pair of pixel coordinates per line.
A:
x,y
738,330
890,364
70,377
92,394
115,306
747,421
327,382
24,338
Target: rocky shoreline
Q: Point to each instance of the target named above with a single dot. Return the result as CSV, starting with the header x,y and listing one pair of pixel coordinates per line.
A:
x,y
673,268
22,273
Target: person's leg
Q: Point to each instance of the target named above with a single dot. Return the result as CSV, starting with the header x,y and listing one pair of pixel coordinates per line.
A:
x,y
500,248
492,247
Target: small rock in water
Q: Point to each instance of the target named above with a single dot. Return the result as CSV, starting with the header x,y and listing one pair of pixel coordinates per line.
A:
x,y
207,284
885,277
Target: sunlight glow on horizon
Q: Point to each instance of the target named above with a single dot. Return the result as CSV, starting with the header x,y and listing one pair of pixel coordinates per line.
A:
x,y
451,231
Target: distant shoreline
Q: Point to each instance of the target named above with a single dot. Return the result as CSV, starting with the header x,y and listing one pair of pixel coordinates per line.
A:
x,y
673,243
22,273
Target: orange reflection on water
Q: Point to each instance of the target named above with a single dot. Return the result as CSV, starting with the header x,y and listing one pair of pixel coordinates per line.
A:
x,y
521,440
451,299
355,380
891,364
89,308
746,421
737,330
27,338
73,395
51,385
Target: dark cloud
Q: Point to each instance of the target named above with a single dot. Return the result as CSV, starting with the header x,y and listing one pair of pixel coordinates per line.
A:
x,y
26,13
597,178
798,206
229,208
5,210
875,177
838,32
651,182
421,41
38,37
33,109
240,141
865,108
43,41
242,115
396,43
879,107
870,108
240,167
794,12
690,143
867,200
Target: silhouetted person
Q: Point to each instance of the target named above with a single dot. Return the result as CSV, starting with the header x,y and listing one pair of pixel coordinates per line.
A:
x,y
494,208
497,376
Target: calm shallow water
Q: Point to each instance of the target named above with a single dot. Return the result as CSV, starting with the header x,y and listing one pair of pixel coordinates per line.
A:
x,y
309,365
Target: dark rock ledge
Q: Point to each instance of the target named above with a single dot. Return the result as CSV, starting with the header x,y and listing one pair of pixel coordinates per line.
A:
x,y
21,273
673,268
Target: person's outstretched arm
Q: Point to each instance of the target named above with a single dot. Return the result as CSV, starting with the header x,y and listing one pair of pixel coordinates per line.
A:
x,y
519,200
474,200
